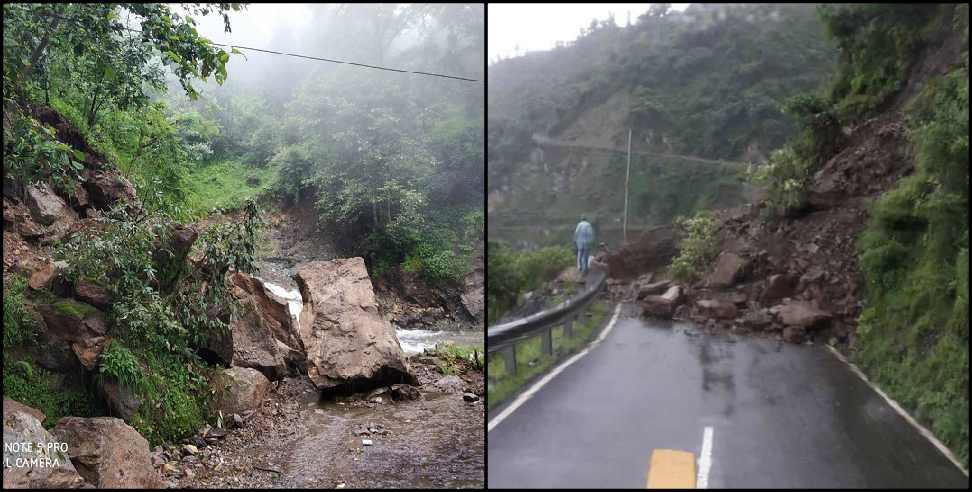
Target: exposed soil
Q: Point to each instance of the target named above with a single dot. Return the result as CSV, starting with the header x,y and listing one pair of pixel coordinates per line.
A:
x,y
295,440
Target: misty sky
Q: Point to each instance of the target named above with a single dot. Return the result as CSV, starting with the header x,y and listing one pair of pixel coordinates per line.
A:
x,y
538,26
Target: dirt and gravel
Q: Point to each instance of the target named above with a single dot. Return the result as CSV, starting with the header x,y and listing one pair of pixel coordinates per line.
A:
x,y
298,440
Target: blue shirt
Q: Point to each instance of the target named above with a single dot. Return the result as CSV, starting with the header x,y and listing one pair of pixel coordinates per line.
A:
x,y
584,235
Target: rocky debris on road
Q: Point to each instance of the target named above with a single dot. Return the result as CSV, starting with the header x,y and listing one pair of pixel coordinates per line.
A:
x,y
46,466
295,440
651,251
340,307
107,452
663,306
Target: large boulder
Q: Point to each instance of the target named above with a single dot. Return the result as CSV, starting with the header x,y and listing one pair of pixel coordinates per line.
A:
x,y
108,452
263,337
33,458
107,187
347,341
473,293
240,389
663,306
73,321
45,206
729,269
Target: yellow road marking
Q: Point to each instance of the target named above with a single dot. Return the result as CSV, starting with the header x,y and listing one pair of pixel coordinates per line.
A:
x,y
671,469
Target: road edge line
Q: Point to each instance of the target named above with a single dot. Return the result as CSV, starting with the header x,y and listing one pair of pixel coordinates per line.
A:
x,y
901,411
523,397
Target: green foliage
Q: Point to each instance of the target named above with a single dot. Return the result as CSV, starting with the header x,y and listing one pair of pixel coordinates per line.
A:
x,y
41,389
502,385
457,359
785,177
177,400
120,363
32,153
510,273
914,254
697,246
19,324
877,43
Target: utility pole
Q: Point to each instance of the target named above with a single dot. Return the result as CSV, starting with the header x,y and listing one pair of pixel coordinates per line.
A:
x,y
624,230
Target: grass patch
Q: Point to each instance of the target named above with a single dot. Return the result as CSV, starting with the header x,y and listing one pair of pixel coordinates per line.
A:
x,y
227,184
457,359
532,362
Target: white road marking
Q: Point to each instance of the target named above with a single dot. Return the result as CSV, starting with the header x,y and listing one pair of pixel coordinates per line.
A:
x,y
705,460
520,400
921,429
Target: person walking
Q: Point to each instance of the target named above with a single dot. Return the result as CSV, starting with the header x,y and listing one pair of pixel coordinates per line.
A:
x,y
583,240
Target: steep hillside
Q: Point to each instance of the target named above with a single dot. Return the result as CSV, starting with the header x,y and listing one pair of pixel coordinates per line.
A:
x,y
862,242
694,87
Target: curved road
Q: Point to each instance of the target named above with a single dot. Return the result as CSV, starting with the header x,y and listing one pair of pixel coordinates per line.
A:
x,y
782,416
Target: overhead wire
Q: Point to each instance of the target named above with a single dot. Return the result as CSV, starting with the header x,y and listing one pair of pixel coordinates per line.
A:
x,y
231,46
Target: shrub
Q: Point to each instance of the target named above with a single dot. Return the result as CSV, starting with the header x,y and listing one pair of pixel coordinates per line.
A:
x,y
785,177
19,324
697,247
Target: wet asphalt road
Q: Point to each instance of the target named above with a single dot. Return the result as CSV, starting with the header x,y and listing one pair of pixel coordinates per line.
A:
x,y
783,416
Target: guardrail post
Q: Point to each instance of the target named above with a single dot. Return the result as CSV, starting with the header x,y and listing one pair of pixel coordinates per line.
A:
x,y
569,327
547,340
509,357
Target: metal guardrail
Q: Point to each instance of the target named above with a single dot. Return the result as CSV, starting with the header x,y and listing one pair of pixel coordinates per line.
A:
x,y
502,338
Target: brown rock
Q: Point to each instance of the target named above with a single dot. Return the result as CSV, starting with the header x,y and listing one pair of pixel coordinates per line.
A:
x,y
73,321
92,293
45,206
405,392
717,309
651,289
108,453
793,334
10,406
757,319
345,337
88,351
664,305
46,466
119,398
43,274
107,187
263,336
241,389
800,314
778,287
729,269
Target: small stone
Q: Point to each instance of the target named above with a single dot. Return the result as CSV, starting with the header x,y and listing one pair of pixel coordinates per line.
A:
x,y
470,397
189,449
377,399
237,420
340,485
169,468
366,442
188,473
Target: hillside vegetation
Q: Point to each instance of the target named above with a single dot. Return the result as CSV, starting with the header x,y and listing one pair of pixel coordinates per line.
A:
x,y
709,82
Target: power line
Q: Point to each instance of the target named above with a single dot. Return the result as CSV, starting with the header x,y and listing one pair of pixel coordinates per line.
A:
x,y
296,55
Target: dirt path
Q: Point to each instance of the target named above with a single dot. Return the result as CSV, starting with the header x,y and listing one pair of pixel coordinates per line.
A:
x,y
296,441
